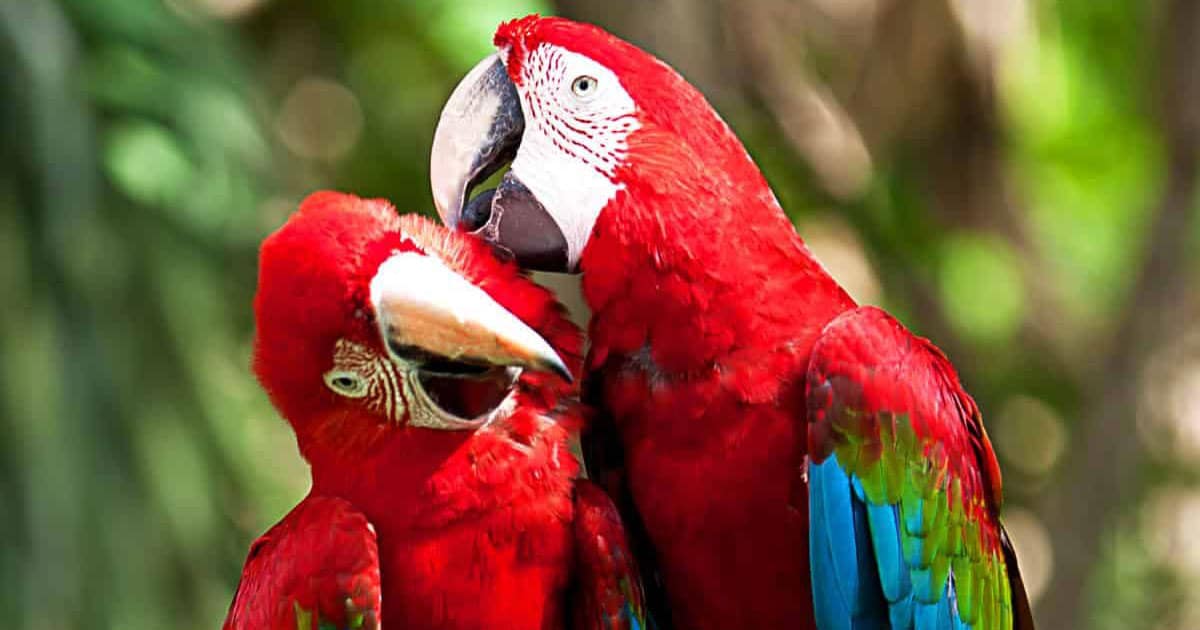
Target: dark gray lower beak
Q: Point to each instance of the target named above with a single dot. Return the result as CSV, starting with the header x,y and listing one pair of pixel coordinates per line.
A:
x,y
514,220
478,133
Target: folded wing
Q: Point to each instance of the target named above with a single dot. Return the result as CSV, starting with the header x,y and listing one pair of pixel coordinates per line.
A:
x,y
317,569
904,488
608,589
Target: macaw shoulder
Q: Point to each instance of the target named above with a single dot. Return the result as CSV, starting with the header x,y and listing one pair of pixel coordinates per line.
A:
x,y
608,587
866,360
321,562
866,340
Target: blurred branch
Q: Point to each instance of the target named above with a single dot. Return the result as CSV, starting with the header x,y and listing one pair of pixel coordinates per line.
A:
x,y
766,35
967,172
916,83
58,194
924,82
810,116
1100,473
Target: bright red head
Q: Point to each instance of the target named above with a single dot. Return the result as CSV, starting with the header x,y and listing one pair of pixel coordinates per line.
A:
x,y
586,119
532,49
369,323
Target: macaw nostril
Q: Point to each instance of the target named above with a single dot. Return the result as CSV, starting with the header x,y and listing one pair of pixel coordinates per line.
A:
x,y
477,212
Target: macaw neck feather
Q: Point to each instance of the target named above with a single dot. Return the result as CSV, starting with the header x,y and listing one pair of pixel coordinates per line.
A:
x,y
698,265
388,476
415,478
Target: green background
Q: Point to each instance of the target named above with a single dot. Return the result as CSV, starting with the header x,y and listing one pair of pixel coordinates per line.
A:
x,y
1015,179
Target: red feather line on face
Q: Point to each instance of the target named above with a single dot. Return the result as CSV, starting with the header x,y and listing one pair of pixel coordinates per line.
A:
x,y
663,98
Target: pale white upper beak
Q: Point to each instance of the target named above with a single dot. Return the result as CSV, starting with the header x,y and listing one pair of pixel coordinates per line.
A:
x,y
471,120
421,303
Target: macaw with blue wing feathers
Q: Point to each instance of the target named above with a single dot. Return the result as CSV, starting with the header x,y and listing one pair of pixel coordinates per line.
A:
x,y
904,489
795,460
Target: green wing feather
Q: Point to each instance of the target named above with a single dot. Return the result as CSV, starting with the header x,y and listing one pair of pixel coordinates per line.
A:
x,y
886,409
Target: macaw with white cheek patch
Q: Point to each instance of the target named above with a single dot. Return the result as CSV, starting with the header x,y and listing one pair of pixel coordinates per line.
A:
x,y
797,460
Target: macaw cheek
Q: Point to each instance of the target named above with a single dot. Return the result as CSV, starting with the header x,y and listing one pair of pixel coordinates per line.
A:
x,y
514,220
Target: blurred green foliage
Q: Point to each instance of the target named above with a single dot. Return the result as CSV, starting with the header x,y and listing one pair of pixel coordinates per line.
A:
x,y
150,145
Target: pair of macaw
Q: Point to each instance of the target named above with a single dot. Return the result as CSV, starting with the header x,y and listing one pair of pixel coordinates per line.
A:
x,y
786,458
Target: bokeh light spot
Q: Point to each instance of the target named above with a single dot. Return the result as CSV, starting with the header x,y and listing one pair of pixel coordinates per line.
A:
x,y
1184,399
320,119
1031,540
981,286
1030,435
839,249
1169,525
463,30
222,9
1168,418
146,162
992,26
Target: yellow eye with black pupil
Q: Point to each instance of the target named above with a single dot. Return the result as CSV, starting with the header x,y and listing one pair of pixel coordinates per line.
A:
x,y
584,85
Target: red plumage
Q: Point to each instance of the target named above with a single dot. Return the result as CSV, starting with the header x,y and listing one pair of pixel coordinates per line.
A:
x,y
707,307
322,556
424,528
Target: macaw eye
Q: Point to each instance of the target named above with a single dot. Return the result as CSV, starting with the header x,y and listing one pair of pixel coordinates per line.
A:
x,y
584,86
347,384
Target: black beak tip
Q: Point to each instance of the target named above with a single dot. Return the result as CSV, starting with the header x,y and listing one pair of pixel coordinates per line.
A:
x,y
560,370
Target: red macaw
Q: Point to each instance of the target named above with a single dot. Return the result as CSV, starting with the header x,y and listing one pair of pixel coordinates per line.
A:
x,y
425,383
796,460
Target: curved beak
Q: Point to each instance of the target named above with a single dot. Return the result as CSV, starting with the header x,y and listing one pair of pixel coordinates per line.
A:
x,y
425,309
480,132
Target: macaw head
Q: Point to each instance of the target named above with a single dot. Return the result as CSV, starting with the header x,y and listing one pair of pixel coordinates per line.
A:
x,y
369,322
590,124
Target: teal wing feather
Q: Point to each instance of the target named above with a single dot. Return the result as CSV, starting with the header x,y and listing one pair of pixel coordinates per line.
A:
x,y
317,569
607,593
904,489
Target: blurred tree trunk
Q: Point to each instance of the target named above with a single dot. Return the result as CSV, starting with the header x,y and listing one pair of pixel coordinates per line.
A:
x,y
1103,470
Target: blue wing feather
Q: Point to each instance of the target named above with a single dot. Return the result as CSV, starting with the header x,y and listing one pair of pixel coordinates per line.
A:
x,y
885,537
903,488
828,493
846,585
863,575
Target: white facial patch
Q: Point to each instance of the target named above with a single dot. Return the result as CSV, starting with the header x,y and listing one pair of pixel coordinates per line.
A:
x,y
577,120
